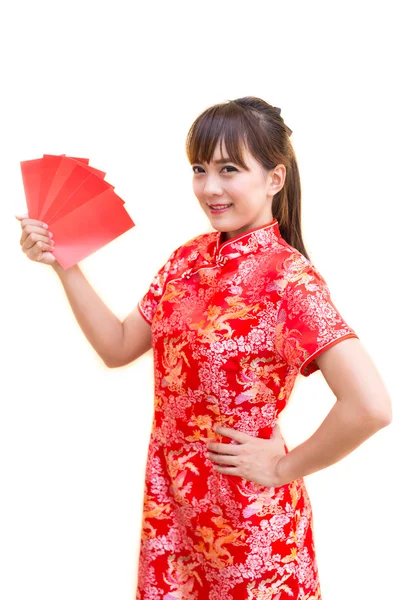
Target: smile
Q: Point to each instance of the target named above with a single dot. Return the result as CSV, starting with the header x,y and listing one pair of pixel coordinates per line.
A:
x,y
217,208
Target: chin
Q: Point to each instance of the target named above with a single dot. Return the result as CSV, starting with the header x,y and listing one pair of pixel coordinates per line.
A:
x,y
224,224
224,229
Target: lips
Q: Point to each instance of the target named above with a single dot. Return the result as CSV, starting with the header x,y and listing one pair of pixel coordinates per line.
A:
x,y
219,206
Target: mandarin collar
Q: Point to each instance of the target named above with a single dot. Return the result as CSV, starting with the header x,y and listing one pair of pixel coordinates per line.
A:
x,y
248,242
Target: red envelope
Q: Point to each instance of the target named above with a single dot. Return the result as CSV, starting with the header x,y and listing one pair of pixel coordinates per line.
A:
x,y
50,165
42,179
82,160
64,203
81,208
88,228
49,168
66,179
31,177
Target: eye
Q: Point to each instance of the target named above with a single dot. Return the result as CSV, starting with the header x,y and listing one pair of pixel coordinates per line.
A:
x,y
195,167
230,169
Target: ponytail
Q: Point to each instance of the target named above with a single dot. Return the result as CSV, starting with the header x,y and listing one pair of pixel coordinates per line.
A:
x,y
286,208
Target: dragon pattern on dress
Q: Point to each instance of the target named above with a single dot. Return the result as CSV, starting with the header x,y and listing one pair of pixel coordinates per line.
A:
x,y
233,325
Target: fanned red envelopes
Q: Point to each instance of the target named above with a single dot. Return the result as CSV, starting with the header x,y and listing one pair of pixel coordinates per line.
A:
x,y
81,208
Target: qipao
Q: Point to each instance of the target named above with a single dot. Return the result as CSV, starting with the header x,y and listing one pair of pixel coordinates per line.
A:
x,y
233,325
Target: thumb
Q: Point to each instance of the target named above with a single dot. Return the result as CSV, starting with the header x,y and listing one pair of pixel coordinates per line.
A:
x,y
20,217
276,432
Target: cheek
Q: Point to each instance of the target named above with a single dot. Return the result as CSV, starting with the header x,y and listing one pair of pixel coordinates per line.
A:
x,y
249,191
243,185
239,191
197,188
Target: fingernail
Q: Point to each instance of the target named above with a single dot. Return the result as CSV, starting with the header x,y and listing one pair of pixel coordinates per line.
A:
x,y
45,226
50,234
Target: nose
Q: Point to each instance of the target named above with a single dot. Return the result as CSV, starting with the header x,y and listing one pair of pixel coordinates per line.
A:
x,y
212,187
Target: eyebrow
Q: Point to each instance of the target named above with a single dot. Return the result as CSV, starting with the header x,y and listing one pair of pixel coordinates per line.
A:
x,y
223,161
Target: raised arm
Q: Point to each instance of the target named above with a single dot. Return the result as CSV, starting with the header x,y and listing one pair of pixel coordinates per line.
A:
x,y
117,343
362,407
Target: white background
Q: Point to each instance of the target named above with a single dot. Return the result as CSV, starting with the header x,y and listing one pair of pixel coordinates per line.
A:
x,y
121,82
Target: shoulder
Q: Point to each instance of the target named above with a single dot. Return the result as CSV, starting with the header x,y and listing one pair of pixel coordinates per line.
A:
x,y
189,253
295,271
200,242
199,246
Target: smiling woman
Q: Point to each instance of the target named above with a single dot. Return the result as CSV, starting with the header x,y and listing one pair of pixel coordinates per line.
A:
x,y
236,316
233,318
234,196
242,155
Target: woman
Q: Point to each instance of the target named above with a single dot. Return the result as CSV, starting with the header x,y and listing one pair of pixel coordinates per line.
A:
x,y
233,317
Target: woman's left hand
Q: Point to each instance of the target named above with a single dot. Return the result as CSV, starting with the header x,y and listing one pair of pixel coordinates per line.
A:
x,y
252,458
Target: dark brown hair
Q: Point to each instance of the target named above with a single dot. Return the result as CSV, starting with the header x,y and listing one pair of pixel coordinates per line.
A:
x,y
253,123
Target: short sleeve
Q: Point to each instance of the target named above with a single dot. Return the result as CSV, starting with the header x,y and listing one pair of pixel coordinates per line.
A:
x,y
308,322
149,303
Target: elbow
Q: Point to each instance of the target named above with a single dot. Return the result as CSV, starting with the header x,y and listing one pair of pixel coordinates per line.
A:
x,y
381,415
385,418
112,362
380,421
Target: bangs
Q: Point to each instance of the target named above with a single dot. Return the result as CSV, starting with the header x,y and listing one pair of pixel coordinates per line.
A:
x,y
222,124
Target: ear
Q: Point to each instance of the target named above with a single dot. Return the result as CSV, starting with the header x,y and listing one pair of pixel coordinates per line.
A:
x,y
278,176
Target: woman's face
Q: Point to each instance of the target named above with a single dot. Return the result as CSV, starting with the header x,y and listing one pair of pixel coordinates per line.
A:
x,y
236,200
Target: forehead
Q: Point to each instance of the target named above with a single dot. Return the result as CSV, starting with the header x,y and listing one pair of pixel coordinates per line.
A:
x,y
221,153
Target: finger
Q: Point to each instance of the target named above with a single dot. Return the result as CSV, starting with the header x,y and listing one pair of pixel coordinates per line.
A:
x,y
34,238
27,229
38,234
228,470
45,247
222,459
28,241
223,448
42,257
238,436
20,217
35,253
276,432
27,221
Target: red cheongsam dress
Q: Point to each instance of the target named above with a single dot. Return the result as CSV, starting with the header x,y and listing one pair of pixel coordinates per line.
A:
x,y
233,324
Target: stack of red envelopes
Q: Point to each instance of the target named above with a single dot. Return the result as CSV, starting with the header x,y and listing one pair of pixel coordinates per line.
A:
x,y
81,209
